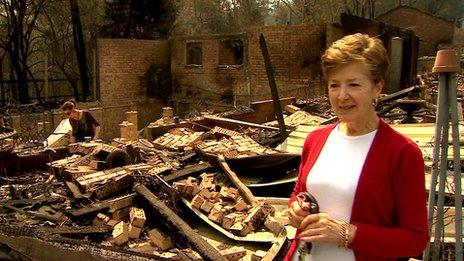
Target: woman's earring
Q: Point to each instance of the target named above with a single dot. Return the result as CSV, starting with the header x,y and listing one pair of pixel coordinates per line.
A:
x,y
375,102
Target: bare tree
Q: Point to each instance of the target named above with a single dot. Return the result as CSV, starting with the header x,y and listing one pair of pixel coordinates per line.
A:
x,y
219,16
310,10
57,43
79,44
142,19
433,6
362,8
459,11
17,27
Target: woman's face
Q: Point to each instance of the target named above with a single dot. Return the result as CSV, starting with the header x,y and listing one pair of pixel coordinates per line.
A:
x,y
351,92
70,113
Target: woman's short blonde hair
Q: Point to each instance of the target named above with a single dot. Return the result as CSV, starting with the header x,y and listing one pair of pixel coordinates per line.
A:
x,y
357,47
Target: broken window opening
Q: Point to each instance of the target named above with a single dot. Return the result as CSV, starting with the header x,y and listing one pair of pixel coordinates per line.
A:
x,y
194,53
230,52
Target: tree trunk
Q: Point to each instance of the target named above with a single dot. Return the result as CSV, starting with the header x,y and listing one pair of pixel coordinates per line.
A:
x,y
71,81
459,10
80,48
372,9
13,86
128,32
23,88
2,84
36,86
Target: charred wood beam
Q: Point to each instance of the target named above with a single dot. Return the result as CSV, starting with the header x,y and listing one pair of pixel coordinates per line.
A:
x,y
74,189
48,200
59,219
388,108
399,94
230,123
188,171
244,190
70,230
204,248
188,157
54,247
111,204
168,189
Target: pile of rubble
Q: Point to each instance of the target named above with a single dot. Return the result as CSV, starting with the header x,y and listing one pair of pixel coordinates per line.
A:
x,y
298,117
226,207
124,195
234,146
317,106
430,82
236,112
105,202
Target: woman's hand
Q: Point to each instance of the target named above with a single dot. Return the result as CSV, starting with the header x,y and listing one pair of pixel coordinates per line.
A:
x,y
296,215
321,227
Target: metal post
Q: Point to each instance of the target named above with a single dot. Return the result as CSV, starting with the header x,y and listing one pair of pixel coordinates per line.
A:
x,y
446,64
436,152
273,86
46,92
94,74
457,166
443,164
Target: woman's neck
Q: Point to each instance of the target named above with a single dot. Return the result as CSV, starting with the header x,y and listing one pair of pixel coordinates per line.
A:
x,y
359,128
79,114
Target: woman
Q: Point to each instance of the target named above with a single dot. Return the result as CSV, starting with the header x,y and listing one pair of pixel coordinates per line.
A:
x,y
83,123
367,178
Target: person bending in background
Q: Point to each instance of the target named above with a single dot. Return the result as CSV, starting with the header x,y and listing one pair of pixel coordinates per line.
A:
x,y
83,123
368,179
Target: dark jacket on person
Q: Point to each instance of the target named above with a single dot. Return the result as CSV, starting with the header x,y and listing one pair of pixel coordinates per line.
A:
x,y
84,127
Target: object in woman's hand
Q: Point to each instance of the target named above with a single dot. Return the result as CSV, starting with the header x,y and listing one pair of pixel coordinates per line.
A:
x,y
307,202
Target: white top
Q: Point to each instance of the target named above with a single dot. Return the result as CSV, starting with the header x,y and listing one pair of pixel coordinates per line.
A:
x,y
333,181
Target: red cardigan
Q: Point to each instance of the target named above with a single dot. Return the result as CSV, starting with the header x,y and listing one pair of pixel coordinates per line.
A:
x,y
389,207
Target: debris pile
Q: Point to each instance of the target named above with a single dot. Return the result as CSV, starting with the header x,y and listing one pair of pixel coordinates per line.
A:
x,y
241,110
317,106
299,117
178,139
100,193
430,82
225,206
233,147
262,136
